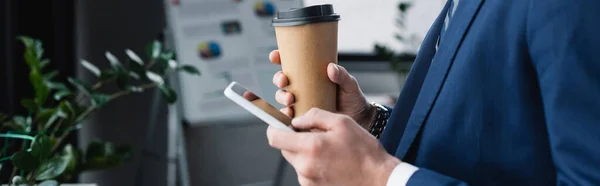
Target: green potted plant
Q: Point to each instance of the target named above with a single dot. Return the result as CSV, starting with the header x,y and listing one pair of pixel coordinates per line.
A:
x,y
400,61
34,143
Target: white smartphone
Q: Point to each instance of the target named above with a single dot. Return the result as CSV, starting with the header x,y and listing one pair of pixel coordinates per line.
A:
x,y
259,107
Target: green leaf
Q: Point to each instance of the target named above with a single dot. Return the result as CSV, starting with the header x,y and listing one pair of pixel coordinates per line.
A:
x,y
139,70
52,168
39,50
67,107
57,114
49,116
168,93
50,75
48,183
134,57
162,66
156,49
41,147
172,64
404,6
99,100
399,37
61,94
114,62
189,69
85,88
14,126
20,124
90,67
25,161
167,55
44,116
155,78
57,86
40,88
71,154
31,60
30,105
27,41
44,63
33,52
107,74
106,155
123,80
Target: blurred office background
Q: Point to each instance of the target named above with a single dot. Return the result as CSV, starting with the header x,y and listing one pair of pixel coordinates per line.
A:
x,y
230,153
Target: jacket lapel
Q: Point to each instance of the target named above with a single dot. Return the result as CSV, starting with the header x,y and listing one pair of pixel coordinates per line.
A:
x,y
441,63
406,101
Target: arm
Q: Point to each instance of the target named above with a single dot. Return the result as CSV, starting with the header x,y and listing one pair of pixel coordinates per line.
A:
x,y
564,44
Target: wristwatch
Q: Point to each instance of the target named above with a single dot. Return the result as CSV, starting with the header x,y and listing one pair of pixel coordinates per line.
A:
x,y
382,114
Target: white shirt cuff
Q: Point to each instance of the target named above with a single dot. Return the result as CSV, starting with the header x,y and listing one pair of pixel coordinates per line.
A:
x,y
401,174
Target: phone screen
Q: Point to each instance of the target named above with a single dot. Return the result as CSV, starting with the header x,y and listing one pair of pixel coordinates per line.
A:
x,y
262,104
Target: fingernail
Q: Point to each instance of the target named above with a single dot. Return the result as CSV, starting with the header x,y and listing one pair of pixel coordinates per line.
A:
x,y
337,70
296,120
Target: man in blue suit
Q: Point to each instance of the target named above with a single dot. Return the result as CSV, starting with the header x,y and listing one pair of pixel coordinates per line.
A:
x,y
503,92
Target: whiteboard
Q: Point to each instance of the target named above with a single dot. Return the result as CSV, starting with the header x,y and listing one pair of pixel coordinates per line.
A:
x,y
227,40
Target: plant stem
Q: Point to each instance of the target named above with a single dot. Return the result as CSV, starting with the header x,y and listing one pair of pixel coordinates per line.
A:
x,y
102,83
56,127
149,64
79,96
97,85
59,140
123,93
85,114
5,159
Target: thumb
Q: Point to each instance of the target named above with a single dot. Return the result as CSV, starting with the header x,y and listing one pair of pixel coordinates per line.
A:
x,y
340,76
318,119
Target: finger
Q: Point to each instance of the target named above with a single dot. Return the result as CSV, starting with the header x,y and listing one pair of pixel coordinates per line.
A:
x,y
289,156
318,119
280,80
284,98
274,57
287,111
289,141
250,96
340,76
304,181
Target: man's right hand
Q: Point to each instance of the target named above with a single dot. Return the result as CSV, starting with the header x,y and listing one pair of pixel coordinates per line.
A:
x,y
351,100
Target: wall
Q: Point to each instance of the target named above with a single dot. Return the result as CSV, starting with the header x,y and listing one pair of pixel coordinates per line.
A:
x,y
234,155
114,25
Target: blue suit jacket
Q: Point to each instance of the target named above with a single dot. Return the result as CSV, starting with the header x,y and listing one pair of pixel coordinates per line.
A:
x,y
511,97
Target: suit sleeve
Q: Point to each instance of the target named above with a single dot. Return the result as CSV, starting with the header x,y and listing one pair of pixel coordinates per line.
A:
x,y
564,43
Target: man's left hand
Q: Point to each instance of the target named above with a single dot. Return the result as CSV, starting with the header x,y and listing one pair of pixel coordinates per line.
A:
x,y
340,153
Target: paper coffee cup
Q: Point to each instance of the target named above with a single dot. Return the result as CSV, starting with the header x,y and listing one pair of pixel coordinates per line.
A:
x,y
307,41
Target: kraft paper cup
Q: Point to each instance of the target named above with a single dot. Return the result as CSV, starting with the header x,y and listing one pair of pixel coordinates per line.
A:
x,y
307,41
